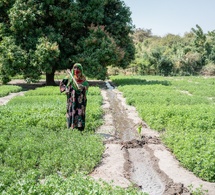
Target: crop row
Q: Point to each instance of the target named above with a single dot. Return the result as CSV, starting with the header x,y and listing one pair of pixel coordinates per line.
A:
x,y
38,155
182,108
7,89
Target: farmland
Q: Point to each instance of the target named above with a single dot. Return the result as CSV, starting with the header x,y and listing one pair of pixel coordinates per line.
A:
x,y
5,90
40,156
182,110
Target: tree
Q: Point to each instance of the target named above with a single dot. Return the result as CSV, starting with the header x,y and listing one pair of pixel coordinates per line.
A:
x,y
140,35
200,39
39,37
211,43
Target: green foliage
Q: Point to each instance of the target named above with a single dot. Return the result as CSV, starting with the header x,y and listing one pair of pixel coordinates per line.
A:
x,y
75,184
13,59
39,156
42,37
198,191
208,70
46,54
200,39
173,54
141,34
182,108
44,91
64,151
34,139
7,89
98,51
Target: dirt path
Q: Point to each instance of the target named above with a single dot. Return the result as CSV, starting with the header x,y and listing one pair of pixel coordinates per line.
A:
x,y
25,86
142,160
133,159
4,100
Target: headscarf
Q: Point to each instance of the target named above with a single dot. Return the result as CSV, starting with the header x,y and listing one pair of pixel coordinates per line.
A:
x,y
82,80
82,77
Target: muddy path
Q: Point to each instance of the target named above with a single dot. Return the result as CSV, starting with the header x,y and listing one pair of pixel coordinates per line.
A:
x,y
130,158
141,159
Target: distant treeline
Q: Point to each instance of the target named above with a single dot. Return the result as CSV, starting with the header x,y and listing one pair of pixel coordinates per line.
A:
x,y
192,54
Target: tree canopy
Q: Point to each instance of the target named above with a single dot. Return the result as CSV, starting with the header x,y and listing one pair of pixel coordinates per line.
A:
x,y
39,37
191,54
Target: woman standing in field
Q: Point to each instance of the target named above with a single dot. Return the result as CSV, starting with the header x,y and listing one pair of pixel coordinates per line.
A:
x,y
75,85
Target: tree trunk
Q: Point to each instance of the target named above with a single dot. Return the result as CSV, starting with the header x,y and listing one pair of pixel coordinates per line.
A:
x,y
50,79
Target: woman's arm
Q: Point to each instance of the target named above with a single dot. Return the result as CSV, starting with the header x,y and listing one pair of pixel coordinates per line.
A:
x,y
63,85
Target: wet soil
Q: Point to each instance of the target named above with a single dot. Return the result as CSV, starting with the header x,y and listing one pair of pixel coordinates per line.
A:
x,y
132,158
139,159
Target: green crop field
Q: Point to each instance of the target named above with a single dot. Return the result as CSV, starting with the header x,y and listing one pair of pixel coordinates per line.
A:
x,y
7,89
183,110
39,155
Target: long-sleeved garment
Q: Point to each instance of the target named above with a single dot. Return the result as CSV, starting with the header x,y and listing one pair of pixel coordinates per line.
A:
x,y
76,104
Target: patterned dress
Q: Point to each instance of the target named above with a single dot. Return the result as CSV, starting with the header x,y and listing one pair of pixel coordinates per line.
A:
x,y
76,104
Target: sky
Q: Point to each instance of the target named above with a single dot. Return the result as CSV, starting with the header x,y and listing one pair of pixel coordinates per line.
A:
x,y
172,16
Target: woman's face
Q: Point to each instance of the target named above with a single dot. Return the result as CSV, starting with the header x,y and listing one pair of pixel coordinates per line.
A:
x,y
77,70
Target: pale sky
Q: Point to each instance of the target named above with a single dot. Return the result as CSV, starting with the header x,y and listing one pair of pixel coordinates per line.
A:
x,y
172,16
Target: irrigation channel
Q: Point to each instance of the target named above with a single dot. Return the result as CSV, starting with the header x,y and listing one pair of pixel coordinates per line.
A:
x,y
139,159
133,158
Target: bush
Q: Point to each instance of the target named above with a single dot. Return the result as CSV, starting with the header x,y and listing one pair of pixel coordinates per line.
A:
x,y
208,70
